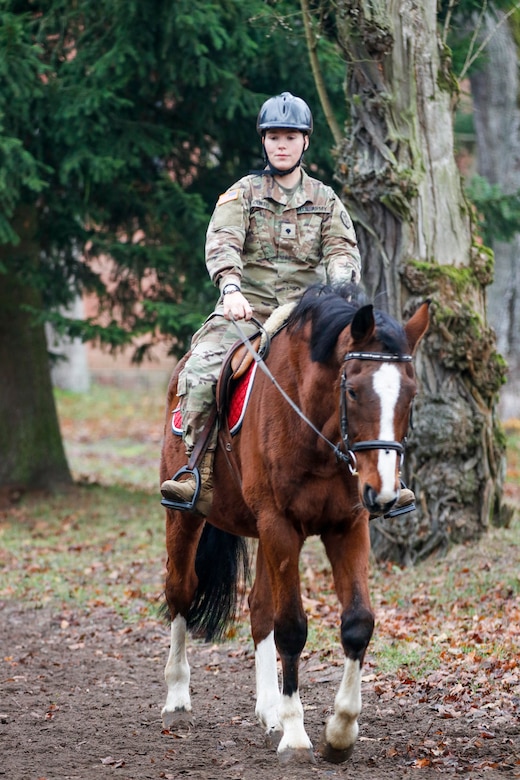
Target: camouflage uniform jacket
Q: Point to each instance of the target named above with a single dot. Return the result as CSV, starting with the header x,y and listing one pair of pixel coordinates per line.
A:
x,y
275,243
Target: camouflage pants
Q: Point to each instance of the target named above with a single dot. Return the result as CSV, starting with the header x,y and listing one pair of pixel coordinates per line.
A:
x,y
198,379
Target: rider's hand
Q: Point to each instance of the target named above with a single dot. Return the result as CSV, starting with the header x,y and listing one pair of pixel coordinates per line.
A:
x,y
237,307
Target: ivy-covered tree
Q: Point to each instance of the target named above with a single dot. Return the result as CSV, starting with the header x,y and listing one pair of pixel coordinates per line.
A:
x,y
418,241
120,124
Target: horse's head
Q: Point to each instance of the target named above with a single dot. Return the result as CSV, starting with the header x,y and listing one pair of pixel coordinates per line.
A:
x,y
374,354
377,390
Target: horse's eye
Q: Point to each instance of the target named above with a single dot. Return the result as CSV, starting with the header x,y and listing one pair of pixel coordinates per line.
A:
x,y
352,393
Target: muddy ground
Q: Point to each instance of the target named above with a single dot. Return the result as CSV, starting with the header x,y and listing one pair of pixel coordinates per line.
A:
x,y
81,698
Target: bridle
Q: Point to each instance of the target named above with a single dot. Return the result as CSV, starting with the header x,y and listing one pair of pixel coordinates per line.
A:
x,y
369,444
347,454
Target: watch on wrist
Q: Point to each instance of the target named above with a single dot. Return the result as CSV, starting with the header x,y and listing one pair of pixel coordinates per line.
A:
x,y
230,288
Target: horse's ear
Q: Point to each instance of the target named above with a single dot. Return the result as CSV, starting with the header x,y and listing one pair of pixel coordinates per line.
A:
x,y
417,325
363,325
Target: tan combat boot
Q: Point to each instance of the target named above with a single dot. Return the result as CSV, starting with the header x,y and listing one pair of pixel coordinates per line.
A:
x,y
183,490
406,496
405,503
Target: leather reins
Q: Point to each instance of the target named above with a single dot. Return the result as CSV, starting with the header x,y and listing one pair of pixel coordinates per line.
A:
x,y
348,455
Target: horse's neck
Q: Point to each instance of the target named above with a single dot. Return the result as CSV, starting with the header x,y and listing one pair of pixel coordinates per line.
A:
x,y
311,384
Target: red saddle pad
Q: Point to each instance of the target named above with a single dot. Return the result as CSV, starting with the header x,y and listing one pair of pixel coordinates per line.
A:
x,y
237,405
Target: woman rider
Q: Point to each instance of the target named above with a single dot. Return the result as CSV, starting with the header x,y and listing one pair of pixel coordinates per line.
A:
x,y
273,233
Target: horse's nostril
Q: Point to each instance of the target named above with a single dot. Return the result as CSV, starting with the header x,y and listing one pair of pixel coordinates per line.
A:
x,y
374,502
369,496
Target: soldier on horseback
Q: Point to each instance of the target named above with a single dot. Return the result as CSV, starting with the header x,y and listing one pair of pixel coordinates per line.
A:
x,y
273,233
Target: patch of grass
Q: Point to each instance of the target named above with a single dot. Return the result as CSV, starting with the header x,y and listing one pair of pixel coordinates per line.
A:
x,y
90,546
512,430
400,654
113,436
115,462
111,403
322,636
454,613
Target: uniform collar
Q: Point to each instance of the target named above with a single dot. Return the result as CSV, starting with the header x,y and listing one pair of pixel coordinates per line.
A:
x,y
273,191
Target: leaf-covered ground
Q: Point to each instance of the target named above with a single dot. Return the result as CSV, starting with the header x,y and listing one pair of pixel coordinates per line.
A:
x,y
82,651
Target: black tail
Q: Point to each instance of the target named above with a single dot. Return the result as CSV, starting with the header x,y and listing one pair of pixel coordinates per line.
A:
x,y
222,562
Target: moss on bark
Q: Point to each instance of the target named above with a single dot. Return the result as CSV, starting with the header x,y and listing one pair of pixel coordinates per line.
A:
x,y
415,227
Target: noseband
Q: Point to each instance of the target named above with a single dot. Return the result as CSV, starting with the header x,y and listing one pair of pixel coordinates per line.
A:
x,y
370,444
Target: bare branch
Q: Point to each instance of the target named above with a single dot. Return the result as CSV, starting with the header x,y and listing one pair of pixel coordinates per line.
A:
x,y
317,74
470,59
447,21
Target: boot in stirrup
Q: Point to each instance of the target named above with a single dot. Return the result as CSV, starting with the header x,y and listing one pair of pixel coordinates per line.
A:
x,y
405,503
193,493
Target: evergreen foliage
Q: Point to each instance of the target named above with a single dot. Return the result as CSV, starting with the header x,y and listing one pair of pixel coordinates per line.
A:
x,y
498,213
120,124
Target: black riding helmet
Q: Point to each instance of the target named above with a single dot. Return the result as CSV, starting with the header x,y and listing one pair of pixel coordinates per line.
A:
x,y
288,112
285,111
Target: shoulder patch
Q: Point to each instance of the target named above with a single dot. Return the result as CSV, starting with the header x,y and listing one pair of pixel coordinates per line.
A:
x,y
227,196
346,219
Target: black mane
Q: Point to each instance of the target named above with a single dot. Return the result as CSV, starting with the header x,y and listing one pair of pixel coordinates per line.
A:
x,y
331,309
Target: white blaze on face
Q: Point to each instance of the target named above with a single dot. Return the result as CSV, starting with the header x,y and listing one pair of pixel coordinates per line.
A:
x,y
387,385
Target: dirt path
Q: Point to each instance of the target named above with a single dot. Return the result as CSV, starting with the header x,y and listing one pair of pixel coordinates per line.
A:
x,y
81,698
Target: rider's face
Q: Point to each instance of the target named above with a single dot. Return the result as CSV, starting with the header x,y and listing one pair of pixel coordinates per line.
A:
x,y
284,147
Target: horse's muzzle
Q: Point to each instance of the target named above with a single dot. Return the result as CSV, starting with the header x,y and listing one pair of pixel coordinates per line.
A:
x,y
373,504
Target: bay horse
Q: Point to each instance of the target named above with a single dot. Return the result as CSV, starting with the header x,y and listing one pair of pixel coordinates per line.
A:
x,y
319,465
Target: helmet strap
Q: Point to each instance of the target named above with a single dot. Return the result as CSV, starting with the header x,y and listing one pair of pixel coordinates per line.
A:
x,y
274,171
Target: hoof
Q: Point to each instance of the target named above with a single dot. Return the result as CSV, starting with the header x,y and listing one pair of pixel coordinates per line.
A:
x,y
296,756
175,720
334,755
273,738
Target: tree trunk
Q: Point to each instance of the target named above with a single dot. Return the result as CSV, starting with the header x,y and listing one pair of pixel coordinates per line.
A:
x,y
32,454
401,183
494,89
70,369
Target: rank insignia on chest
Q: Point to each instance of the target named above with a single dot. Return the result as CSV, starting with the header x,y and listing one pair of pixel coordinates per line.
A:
x,y
288,230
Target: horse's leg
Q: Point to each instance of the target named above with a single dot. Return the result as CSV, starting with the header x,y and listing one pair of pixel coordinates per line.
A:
x,y
262,629
349,554
177,709
281,553
182,537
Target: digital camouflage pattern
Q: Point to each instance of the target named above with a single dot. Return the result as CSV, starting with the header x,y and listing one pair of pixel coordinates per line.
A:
x,y
273,243
197,381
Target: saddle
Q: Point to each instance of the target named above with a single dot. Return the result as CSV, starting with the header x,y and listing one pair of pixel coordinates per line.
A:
x,y
234,386
236,380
